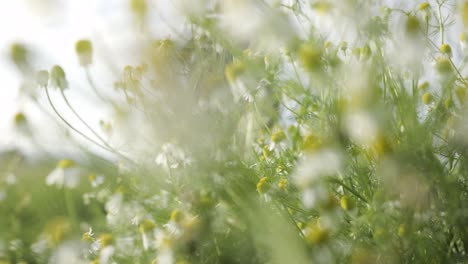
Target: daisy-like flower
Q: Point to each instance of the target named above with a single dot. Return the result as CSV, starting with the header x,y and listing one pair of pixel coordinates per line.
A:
x,y
95,180
84,49
173,226
277,141
146,228
326,162
65,175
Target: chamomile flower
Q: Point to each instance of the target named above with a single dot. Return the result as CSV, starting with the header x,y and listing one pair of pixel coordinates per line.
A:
x,y
65,174
446,49
84,50
146,228
95,180
58,78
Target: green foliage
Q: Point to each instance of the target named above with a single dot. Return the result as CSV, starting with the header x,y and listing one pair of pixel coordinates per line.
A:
x,y
280,145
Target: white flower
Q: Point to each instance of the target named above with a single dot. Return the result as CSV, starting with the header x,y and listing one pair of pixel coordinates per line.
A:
x,y
361,127
106,254
2,195
325,162
173,228
67,253
96,180
64,175
11,179
40,246
113,208
165,257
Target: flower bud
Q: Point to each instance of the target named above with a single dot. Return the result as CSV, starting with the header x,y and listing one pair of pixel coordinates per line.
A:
x,y
234,70
423,86
84,49
310,56
139,7
365,52
427,98
446,50
424,6
412,25
19,56
20,119
263,185
57,78
443,65
346,203
278,136
42,78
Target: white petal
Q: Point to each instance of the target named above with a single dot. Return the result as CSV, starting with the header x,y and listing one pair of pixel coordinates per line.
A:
x,y
55,177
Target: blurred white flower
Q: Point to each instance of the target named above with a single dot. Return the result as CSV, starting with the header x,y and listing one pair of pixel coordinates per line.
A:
x,y
96,180
66,174
361,127
165,257
67,253
113,207
325,162
312,196
40,246
106,254
11,179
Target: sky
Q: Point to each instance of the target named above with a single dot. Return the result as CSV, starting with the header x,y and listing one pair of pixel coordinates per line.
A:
x,y
50,29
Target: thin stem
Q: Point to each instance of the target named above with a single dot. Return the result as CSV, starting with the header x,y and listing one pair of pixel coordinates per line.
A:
x,y
441,24
94,87
68,124
349,189
70,205
108,147
82,120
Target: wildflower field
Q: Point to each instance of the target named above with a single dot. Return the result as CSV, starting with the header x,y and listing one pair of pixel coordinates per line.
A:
x,y
254,131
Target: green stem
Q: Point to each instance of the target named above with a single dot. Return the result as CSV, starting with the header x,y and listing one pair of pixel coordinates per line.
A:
x,y
108,147
68,124
441,24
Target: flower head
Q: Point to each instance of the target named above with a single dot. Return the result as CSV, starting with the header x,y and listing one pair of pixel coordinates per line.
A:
x,y
84,49
446,49
310,56
427,98
20,119
58,78
263,185
424,6
65,174
106,239
443,65
412,25
42,78
234,70
423,86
